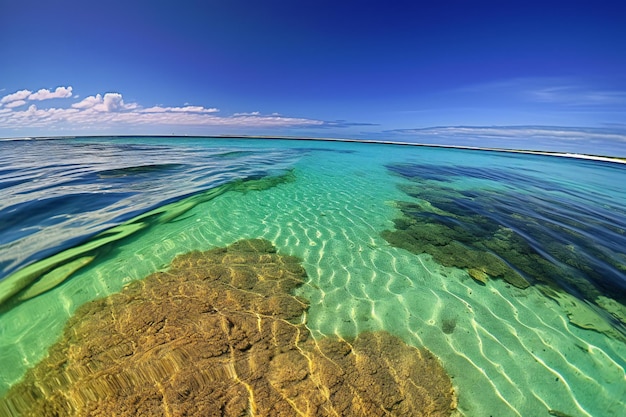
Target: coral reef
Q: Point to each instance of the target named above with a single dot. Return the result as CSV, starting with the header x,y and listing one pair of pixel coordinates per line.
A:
x,y
450,241
507,233
546,239
264,183
220,334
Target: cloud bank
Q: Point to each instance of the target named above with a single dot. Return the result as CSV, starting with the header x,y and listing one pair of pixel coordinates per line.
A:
x,y
19,97
108,111
58,112
43,94
110,103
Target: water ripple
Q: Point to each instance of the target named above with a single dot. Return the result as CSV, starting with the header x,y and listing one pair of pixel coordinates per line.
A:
x,y
59,193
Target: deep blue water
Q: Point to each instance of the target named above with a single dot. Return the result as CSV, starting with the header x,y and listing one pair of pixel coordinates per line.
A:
x,y
59,193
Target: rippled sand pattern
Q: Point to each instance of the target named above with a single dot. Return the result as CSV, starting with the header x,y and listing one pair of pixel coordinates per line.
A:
x,y
219,334
512,352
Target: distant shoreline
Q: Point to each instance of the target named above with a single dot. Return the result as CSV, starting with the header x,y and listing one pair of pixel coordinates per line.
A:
x,y
603,158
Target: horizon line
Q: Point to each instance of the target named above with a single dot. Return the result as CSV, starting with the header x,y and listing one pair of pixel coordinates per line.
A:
x,y
604,158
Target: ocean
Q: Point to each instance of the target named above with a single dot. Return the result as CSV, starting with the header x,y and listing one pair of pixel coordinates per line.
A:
x,y
508,268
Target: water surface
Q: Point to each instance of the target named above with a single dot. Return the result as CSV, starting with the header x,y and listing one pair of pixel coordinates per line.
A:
x,y
509,268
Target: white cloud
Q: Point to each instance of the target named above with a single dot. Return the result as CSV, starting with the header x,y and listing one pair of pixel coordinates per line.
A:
x,y
88,102
111,102
12,100
192,109
254,113
15,103
197,109
18,95
102,112
45,94
155,109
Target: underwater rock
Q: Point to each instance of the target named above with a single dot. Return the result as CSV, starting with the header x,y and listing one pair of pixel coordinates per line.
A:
x,y
220,333
264,183
450,247
518,237
545,238
478,275
448,325
558,413
616,309
450,228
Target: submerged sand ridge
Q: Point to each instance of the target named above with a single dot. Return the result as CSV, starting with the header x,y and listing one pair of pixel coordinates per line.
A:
x,y
220,333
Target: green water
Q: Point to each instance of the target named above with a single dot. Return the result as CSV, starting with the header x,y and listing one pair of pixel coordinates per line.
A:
x,y
510,352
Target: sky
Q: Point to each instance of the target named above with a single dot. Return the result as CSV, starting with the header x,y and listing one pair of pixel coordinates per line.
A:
x,y
547,75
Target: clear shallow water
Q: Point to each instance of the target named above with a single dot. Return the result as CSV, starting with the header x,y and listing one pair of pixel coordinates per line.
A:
x,y
510,351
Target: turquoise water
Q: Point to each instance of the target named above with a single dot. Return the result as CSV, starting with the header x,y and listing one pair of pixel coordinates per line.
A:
x,y
97,214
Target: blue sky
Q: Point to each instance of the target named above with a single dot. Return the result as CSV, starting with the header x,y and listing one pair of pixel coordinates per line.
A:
x,y
548,75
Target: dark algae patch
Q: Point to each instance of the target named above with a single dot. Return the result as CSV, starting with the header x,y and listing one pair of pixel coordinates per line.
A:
x,y
220,334
448,325
265,182
502,229
47,273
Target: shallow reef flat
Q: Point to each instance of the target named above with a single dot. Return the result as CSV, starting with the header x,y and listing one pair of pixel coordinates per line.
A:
x,y
220,333
507,233
468,226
